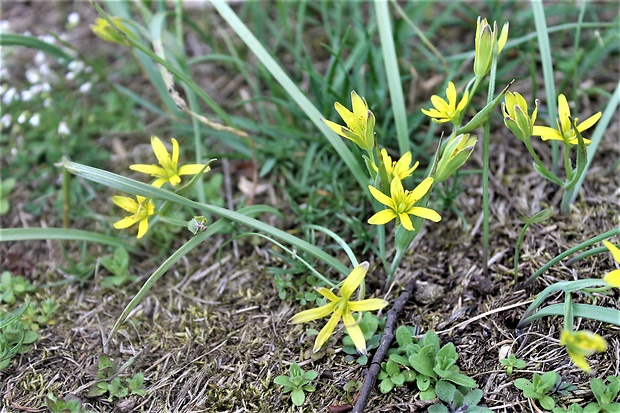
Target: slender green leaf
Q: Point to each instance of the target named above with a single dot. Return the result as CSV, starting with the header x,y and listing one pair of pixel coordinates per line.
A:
x,y
29,234
139,188
293,90
397,98
34,43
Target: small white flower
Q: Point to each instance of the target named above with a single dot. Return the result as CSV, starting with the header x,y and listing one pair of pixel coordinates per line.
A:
x,y
44,69
76,66
22,118
47,103
6,120
48,39
8,97
32,76
26,95
85,88
45,87
5,26
34,120
70,75
63,129
4,72
39,58
73,18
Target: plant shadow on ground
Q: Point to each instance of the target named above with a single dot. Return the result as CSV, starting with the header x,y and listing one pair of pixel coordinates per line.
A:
x,y
212,334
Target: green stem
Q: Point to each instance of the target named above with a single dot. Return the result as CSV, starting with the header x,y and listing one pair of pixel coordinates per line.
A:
x,y
546,172
568,312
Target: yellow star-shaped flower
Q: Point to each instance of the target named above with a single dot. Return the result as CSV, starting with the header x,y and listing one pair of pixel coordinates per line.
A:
x,y
360,123
566,131
447,111
613,277
400,168
141,211
401,204
169,170
341,307
580,344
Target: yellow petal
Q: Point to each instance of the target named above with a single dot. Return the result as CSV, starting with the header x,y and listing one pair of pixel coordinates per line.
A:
x,y
327,294
160,151
159,182
126,203
588,123
406,221
503,37
382,217
125,222
433,113
360,109
326,332
334,126
345,114
353,280
451,95
147,169
547,133
425,213
370,304
613,278
312,314
380,196
396,190
175,153
615,252
580,361
192,169
143,227
440,104
463,101
355,332
563,109
422,188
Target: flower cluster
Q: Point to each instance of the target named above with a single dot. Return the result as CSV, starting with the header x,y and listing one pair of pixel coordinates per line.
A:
x,y
168,172
521,124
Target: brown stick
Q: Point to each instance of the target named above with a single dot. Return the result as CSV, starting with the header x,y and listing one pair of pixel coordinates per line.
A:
x,y
386,340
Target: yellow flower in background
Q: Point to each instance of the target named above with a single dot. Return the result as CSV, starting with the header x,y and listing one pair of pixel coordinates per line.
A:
x,y
169,170
613,278
341,307
516,115
401,169
580,344
401,204
141,211
360,123
566,129
485,43
447,111
103,30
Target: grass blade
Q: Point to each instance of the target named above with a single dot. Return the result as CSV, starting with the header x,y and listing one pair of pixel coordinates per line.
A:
x,y
542,33
291,88
44,234
384,24
139,188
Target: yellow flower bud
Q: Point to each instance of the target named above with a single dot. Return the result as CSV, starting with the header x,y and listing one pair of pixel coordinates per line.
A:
x,y
516,117
457,151
485,41
104,30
